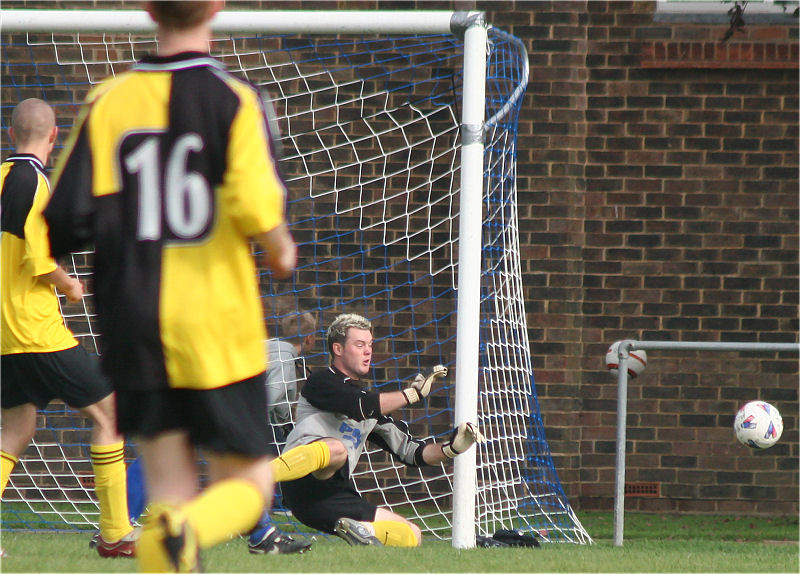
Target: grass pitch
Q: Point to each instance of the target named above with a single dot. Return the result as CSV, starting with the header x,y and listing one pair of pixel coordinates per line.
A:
x,y
653,543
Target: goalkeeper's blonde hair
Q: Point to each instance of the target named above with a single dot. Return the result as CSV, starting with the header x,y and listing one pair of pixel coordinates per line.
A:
x,y
337,331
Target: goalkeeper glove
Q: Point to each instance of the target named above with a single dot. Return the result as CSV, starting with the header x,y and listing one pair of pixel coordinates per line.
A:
x,y
461,439
421,386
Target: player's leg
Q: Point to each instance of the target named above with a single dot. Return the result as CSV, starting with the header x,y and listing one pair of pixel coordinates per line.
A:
x,y
230,425
386,529
168,542
78,381
110,480
20,394
234,501
19,426
322,458
332,506
137,492
394,530
265,537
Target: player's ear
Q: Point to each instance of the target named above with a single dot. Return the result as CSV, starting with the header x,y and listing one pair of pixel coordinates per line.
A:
x,y
53,135
337,349
12,136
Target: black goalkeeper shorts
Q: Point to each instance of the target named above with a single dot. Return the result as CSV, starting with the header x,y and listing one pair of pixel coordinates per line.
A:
x,y
70,375
320,503
227,420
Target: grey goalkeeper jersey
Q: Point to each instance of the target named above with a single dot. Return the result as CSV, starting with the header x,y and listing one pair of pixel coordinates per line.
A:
x,y
333,405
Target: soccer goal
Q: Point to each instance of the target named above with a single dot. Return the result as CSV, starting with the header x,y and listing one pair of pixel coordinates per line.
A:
x,y
398,135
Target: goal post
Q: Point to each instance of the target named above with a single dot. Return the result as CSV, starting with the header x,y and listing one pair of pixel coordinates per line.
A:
x,y
623,356
399,137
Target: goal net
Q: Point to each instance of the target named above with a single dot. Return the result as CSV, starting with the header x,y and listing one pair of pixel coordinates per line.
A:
x,y
371,138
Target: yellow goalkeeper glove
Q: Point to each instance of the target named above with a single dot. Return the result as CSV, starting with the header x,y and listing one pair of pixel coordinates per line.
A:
x,y
421,386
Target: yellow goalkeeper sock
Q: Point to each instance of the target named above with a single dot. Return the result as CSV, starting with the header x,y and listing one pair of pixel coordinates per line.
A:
x,y
9,461
110,486
301,460
393,533
225,509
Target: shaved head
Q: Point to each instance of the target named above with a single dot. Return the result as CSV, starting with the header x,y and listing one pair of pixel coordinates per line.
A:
x,y
32,120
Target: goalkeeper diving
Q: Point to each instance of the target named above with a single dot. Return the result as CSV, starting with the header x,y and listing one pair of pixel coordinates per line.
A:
x,y
336,415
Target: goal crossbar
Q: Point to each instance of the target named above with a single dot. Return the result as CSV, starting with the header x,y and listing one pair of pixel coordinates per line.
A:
x,y
625,347
262,22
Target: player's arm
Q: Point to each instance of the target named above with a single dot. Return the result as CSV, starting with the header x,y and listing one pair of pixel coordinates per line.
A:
x,y
392,401
37,248
280,251
70,211
356,404
329,394
61,280
461,438
395,438
253,188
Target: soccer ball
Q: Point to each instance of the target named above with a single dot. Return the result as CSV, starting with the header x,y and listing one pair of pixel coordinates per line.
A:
x,y
758,425
637,361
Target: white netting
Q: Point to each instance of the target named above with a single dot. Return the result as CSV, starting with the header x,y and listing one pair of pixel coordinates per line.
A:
x,y
371,140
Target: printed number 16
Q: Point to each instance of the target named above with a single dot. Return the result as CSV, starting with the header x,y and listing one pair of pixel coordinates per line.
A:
x,y
187,197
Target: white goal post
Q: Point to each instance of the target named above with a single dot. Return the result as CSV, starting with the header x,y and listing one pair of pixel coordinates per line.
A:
x,y
625,347
470,173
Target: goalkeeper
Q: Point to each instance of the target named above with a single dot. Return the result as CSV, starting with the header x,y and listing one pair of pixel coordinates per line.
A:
x,y
336,416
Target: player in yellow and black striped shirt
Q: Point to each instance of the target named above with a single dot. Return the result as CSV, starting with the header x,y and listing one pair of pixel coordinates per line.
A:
x,y
41,360
168,173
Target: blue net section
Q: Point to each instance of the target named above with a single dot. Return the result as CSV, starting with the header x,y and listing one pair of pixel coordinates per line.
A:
x,y
369,133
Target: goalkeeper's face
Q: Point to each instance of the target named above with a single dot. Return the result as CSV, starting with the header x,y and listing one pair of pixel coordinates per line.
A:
x,y
353,358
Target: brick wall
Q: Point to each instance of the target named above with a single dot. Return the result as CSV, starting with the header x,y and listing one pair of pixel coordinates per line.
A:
x,y
659,196
658,191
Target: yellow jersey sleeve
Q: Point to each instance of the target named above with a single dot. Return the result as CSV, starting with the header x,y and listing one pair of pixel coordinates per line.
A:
x,y
37,244
252,189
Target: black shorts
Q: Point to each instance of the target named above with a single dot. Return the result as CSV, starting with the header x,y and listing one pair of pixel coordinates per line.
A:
x,y
70,375
320,503
228,420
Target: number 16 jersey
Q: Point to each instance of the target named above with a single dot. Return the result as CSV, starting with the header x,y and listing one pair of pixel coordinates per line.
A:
x,y
168,173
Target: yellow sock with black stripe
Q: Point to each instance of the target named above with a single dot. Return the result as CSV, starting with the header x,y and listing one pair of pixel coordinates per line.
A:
x,y
9,461
301,460
393,533
224,510
110,486
166,520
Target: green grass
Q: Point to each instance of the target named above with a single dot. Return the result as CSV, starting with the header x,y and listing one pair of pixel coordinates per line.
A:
x,y
653,543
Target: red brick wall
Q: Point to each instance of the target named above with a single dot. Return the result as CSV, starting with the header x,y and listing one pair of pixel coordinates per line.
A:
x,y
658,191
659,196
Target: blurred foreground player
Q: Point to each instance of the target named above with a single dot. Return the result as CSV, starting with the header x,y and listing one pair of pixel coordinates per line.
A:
x,y
41,359
168,173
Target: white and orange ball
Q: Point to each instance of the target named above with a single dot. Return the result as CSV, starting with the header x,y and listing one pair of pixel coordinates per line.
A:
x,y
637,361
